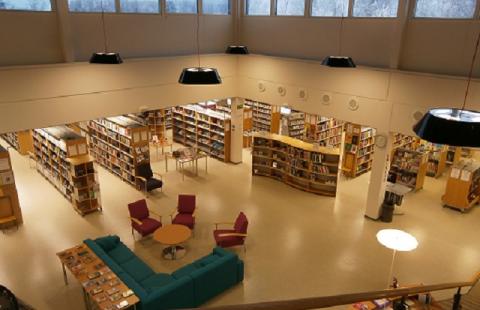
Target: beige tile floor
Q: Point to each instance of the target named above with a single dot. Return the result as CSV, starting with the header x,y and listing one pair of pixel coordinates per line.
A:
x,y
300,244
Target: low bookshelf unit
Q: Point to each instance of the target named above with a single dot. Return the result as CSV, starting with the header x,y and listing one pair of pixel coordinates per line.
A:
x,y
22,141
120,145
300,164
463,186
62,158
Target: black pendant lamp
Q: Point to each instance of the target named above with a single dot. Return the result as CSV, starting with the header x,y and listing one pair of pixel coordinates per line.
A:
x,y
339,61
199,75
237,50
105,57
452,126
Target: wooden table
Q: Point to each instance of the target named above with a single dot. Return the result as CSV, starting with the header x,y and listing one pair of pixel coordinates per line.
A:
x,y
181,161
162,144
172,235
102,289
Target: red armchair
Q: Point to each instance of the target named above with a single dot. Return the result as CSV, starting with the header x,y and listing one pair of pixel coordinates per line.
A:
x,y
232,237
185,212
141,220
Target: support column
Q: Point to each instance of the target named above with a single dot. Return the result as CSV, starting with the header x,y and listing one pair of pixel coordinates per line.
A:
x,y
378,177
236,143
404,10
65,30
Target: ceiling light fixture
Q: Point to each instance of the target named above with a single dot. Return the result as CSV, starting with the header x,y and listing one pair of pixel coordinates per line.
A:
x,y
237,49
105,57
339,61
199,75
452,126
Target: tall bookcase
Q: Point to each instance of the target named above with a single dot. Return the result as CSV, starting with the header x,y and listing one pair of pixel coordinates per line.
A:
x,y
247,126
62,158
300,164
10,211
358,149
325,131
463,186
119,144
158,121
293,125
205,129
437,159
265,117
409,167
22,141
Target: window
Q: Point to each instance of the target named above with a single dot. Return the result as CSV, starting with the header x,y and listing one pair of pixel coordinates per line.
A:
x,y
375,8
216,7
291,7
445,8
26,5
91,5
258,7
140,6
330,8
182,6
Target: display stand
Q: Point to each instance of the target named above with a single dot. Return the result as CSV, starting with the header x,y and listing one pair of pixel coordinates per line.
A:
x,y
324,130
358,149
120,145
62,158
205,129
297,163
265,117
22,141
463,190
409,168
10,212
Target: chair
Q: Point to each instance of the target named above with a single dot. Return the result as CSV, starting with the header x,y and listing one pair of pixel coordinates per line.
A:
x,y
141,220
145,177
226,238
185,212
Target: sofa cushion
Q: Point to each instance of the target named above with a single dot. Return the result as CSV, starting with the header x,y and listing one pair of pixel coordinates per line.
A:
x,y
108,243
204,261
137,269
184,271
157,280
121,254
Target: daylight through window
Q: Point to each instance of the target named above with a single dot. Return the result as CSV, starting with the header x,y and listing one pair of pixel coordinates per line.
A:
x,y
445,8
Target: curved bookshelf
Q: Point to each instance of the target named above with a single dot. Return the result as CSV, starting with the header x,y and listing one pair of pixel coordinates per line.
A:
x,y
299,164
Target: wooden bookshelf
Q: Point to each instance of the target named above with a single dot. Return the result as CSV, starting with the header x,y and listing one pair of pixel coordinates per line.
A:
x,y
358,149
10,212
247,126
62,158
119,144
158,121
410,167
463,191
265,117
22,141
404,141
325,131
294,125
300,164
206,129
437,159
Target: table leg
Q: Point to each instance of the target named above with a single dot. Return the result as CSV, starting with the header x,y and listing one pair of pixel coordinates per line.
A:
x,y
65,278
196,166
206,161
183,171
166,163
162,149
156,147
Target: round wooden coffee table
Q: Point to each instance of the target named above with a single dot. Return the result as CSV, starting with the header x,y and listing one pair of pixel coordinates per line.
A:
x,y
172,235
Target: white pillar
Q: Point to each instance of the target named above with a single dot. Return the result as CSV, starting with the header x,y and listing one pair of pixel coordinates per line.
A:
x,y
65,30
236,143
378,177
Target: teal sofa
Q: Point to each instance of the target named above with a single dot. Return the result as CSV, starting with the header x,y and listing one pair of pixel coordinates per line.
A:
x,y
187,287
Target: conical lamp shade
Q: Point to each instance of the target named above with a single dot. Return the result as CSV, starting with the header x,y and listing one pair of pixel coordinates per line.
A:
x,y
237,49
199,76
338,62
450,126
106,58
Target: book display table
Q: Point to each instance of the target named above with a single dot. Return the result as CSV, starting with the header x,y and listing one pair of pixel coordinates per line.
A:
x,y
102,289
189,155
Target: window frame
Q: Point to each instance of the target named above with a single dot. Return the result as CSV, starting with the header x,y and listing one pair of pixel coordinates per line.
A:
x,y
53,8
352,8
245,9
119,9
349,11
275,12
474,16
199,9
213,14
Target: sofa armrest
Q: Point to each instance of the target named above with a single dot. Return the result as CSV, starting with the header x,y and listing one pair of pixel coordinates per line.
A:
x,y
178,294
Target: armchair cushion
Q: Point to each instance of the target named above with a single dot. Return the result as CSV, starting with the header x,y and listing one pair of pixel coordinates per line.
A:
x,y
138,209
148,226
108,243
184,219
186,203
153,184
241,224
121,254
137,269
227,241
157,280
145,171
